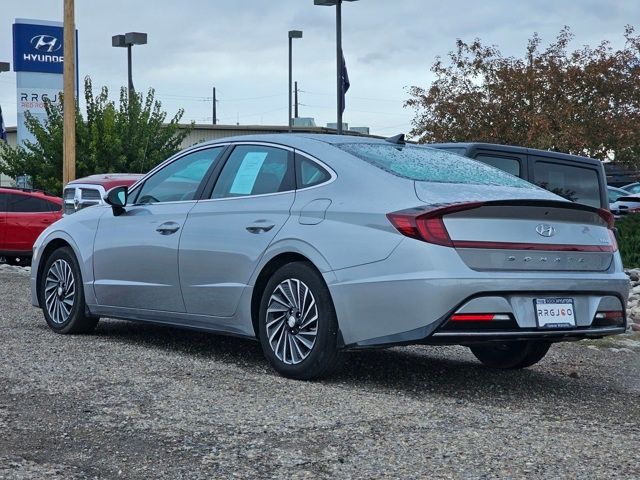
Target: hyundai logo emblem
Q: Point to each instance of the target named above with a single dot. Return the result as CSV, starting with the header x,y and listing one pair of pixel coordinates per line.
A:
x,y
46,43
545,230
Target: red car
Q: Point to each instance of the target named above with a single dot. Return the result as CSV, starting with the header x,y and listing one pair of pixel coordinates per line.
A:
x,y
24,214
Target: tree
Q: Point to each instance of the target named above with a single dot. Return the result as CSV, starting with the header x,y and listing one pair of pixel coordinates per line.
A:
x,y
131,137
585,102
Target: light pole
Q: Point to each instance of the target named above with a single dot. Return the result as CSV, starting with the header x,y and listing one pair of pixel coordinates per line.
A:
x,y
129,40
5,67
338,5
292,34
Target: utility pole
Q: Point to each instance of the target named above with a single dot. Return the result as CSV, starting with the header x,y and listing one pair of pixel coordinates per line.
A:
x,y
69,104
214,106
295,115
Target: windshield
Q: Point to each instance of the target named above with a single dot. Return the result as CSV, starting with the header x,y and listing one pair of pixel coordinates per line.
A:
x,y
431,165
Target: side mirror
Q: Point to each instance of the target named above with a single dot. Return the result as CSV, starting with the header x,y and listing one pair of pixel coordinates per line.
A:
x,y
117,198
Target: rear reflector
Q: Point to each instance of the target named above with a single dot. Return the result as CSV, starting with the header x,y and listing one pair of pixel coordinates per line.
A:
x,y
478,317
427,224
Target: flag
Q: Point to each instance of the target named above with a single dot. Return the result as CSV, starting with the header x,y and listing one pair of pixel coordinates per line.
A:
x,y
3,131
345,83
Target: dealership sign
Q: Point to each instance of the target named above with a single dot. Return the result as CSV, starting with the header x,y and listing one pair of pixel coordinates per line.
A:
x,y
38,48
38,58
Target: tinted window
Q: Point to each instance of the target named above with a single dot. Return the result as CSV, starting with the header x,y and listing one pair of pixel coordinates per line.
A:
x,y
28,204
310,173
255,170
3,202
178,181
431,165
573,183
507,164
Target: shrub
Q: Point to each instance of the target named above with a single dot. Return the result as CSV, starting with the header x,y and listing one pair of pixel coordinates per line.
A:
x,y
629,240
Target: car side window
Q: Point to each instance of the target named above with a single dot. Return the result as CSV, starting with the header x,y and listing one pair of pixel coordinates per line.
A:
x,y
310,173
255,170
3,202
178,181
506,164
573,183
27,204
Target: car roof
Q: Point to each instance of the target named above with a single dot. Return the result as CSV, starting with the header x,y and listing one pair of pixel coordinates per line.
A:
x,y
109,180
515,149
295,139
30,192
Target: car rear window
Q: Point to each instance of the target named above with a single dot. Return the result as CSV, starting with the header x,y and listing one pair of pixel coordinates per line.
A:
x,y
573,183
431,165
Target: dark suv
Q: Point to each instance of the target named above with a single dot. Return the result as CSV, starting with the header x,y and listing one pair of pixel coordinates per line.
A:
x,y
579,179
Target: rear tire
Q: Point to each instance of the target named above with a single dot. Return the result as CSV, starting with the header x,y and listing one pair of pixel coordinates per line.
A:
x,y
298,325
511,355
61,294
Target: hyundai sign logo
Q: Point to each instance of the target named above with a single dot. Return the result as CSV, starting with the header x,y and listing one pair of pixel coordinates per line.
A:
x,y
545,230
38,48
46,43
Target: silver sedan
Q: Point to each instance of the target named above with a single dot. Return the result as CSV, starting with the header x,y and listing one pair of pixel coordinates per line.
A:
x,y
318,244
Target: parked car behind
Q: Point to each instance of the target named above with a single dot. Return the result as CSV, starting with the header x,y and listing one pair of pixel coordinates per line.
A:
x,y
625,205
89,191
632,187
24,214
614,193
579,179
316,244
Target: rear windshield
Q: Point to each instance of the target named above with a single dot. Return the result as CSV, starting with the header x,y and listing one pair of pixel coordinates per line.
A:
x,y
431,165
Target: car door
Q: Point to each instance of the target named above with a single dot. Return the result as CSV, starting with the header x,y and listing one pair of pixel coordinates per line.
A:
x,y
226,235
135,260
27,216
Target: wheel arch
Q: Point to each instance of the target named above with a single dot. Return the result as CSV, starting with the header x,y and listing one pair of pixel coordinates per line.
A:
x,y
269,267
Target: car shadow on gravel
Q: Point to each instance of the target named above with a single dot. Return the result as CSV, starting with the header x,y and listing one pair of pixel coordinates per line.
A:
x,y
418,370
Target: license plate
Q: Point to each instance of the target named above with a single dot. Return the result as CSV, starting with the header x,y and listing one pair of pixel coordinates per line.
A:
x,y
554,312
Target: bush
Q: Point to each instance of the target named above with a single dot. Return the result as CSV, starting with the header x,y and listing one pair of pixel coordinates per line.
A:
x,y
629,240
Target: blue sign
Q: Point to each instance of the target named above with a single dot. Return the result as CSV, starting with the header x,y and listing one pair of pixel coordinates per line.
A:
x,y
37,48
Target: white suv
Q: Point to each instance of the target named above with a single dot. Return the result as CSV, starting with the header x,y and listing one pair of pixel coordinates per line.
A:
x,y
89,191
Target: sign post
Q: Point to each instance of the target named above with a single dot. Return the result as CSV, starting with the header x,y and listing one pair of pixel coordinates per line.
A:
x,y
69,107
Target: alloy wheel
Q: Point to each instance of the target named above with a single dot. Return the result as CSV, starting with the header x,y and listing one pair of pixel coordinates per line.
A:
x,y
59,291
292,321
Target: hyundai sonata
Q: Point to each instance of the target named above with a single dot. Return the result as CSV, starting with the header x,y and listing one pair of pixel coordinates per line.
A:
x,y
318,244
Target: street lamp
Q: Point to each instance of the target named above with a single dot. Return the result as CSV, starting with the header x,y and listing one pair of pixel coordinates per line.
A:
x,y
338,5
129,40
4,67
292,34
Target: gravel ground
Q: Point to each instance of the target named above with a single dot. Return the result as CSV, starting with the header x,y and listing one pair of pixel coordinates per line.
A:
x,y
139,401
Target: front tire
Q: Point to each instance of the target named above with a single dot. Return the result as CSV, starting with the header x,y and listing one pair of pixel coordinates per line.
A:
x,y
62,296
511,355
298,325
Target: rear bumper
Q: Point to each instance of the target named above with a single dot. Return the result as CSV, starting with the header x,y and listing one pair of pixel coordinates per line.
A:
x,y
408,297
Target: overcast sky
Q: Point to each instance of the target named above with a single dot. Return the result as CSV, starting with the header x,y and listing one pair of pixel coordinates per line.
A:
x,y
240,46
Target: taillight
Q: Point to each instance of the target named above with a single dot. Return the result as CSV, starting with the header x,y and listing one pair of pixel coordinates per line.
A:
x,y
610,219
426,223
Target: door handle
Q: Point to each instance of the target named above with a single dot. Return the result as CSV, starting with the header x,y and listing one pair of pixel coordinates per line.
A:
x,y
168,228
260,227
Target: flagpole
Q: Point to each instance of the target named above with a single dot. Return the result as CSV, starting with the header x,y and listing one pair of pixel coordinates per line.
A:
x,y
69,105
339,62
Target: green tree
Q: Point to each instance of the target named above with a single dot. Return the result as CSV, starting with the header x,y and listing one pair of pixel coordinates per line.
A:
x,y
130,137
585,101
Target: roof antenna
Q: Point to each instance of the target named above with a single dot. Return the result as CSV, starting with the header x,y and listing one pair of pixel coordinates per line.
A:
x,y
397,139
